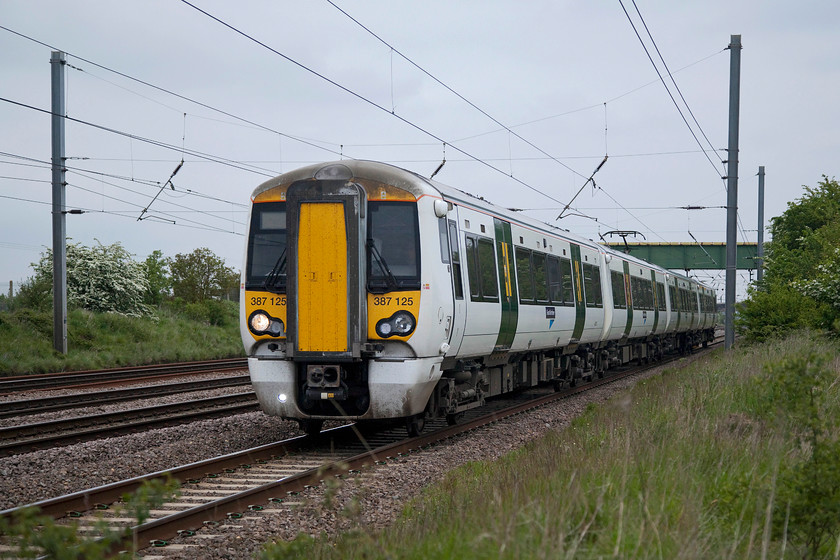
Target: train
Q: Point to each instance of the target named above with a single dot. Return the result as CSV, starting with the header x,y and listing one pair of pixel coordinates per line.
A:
x,y
370,292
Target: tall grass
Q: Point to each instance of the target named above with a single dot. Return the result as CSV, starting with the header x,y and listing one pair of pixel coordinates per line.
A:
x,y
179,332
684,465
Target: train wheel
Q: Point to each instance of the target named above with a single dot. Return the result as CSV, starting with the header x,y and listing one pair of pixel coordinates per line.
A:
x,y
312,427
414,424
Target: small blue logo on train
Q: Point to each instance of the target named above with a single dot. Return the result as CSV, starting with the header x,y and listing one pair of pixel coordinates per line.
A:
x,y
550,314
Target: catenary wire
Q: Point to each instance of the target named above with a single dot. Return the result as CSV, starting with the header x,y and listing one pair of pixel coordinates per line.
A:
x,y
179,96
449,89
474,106
376,105
364,99
158,143
83,174
121,215
670,75
667,89
147,182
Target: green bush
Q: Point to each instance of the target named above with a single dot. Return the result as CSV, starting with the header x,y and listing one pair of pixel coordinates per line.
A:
x,y
802,263
775,313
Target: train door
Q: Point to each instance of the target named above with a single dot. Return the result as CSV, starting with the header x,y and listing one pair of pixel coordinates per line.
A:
x,y
580,302
324,303
509,295
656,296
629,297
456,264
322,278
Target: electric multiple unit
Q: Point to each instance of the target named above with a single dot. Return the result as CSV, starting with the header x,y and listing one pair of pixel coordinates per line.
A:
x,y
369,292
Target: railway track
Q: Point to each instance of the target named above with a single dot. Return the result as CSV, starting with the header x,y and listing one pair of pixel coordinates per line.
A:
x,y
20,383
42,435
27,407
268,477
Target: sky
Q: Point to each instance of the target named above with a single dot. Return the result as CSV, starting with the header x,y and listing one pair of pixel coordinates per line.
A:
x,y
522,99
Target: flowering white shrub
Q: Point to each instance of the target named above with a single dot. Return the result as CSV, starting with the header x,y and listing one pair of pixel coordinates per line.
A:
x,y
104,278
826,286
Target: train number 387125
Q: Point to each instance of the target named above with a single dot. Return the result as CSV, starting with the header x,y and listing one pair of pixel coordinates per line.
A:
x,y
262,300
397,300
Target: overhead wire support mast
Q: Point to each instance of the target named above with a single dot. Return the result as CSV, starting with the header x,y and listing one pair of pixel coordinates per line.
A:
x,y
732,188
59,189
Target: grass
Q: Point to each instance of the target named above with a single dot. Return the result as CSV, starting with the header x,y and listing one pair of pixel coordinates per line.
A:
x,y
682,466
179,332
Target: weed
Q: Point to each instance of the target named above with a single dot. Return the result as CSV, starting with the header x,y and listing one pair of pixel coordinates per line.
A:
x,y
37,535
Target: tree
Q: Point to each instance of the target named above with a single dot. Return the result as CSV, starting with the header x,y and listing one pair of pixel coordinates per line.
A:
x,y
801,266
200,275
157,273
104,278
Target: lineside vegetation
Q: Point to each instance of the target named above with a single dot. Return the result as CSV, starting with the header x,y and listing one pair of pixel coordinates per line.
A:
x,y
733,456
122,312
801,284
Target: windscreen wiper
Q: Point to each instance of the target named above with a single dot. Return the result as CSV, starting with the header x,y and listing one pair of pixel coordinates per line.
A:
x,y
278,272
390,279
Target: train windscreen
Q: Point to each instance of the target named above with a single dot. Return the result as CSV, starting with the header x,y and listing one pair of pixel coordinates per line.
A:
x,y
267,248
393,247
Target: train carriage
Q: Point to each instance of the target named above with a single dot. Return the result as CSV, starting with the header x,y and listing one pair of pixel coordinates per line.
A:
x,y
370,292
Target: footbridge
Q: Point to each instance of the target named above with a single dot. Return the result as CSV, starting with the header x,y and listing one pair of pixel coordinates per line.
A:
x,y
690,256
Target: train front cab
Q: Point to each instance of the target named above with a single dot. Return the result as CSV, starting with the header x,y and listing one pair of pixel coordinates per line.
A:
x,y
334,262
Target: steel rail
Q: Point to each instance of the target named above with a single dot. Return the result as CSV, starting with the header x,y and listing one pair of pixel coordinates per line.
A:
x,y
27,437
86,499
19,383
63,402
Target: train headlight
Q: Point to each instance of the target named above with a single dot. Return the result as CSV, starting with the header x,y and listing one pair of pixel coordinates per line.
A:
x,y
401,323
260,322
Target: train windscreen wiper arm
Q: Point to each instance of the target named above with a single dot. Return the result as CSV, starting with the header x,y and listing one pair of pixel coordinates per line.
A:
x,y
391,280
277,272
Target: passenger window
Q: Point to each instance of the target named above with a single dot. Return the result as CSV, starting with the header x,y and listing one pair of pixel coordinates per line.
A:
x,y
456,260
444,241
472,268
592,284
568,288
555,280
523,274
540,277
660,291
617,281
487,266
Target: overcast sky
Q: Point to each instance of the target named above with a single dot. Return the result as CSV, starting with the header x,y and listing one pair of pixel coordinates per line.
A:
x,y
570,78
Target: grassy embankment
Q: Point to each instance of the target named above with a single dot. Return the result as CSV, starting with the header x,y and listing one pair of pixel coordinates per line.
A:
x,y
104,340
702,462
